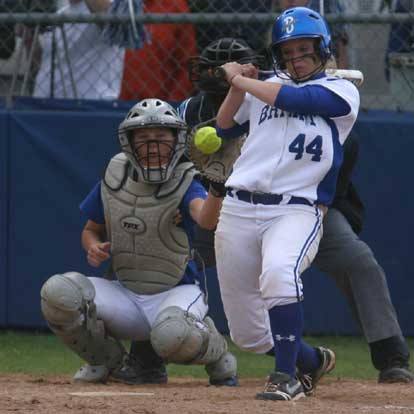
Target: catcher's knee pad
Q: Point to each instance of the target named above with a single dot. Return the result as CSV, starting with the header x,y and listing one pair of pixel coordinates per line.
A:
x,y
69,308
64,297
177,336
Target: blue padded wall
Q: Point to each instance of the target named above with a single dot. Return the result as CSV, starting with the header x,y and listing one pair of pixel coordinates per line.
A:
x,y
50,159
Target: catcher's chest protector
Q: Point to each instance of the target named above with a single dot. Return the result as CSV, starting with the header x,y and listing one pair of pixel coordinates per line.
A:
x,y
149,252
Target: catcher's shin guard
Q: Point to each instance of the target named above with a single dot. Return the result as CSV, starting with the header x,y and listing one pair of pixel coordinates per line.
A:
x,y
226,366
177,336
67,302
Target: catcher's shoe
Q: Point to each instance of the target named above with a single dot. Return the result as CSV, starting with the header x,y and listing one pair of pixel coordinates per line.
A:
x,y
396,373
226,382
133,373
281,387
91,373
310,379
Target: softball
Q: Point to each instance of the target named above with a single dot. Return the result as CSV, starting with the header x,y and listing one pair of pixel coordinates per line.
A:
x,y
206,140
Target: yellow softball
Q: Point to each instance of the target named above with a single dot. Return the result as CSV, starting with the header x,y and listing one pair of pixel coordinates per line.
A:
x,y
206,140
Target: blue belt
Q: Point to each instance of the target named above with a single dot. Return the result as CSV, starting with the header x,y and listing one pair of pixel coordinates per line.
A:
x,y
265,198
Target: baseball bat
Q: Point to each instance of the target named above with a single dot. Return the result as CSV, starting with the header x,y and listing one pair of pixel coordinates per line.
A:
x,y
353,75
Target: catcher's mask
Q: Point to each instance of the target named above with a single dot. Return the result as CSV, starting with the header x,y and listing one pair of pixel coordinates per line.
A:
x,y
300,23
153,137
217,53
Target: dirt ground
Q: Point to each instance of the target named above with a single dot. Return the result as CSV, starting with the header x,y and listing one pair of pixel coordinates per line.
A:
x,y
21,393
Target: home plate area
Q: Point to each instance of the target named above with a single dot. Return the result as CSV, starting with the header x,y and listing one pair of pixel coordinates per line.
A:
x,y
47,394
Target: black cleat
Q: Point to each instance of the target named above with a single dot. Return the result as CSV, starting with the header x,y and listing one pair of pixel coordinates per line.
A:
x,y
395,374
281,387
310,379
133,373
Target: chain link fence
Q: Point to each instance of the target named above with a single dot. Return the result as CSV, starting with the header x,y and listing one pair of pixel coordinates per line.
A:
x,y
72,48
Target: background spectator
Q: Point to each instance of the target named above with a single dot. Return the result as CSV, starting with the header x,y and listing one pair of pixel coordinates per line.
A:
x,y
96,67
160,67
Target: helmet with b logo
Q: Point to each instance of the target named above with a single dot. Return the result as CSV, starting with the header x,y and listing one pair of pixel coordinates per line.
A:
x,y
300,23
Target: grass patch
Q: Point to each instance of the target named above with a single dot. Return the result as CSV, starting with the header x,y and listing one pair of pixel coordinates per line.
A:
x,y
44,353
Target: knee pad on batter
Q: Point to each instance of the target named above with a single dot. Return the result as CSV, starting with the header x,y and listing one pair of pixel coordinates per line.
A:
x,y
67,302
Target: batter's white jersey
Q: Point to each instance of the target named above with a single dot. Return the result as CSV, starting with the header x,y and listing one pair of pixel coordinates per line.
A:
x,y
290,153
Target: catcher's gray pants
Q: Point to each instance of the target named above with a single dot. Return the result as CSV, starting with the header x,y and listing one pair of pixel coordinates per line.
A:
x,y
351,263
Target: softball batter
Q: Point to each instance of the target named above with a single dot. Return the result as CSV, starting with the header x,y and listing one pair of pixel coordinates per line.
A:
x,y
271,220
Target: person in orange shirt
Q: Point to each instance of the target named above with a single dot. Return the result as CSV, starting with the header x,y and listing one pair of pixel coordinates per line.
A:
x,y
159,68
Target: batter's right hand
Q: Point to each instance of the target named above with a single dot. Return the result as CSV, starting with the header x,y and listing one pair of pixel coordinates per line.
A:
x,y
98,253
232,69
250,71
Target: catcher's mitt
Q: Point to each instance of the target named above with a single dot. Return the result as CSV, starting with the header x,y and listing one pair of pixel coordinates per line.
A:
x,y
217,166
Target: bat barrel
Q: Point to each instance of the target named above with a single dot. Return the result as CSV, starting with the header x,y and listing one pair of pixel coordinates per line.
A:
x,y
355,76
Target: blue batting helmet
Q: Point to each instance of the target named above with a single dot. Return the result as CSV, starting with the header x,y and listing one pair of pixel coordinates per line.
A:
x,y
300,23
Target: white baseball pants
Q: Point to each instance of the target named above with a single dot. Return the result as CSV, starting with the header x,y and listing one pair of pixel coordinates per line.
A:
x,y
128,315
261,251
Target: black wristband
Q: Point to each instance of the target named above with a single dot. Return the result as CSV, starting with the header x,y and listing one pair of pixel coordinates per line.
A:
x,y
217,189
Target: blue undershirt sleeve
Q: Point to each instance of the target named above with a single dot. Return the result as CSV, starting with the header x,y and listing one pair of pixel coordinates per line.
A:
x,y
196,190
312,100
233,132
92,206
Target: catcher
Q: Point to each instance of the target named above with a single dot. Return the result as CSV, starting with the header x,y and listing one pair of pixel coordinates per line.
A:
x,y
143,365
141,216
